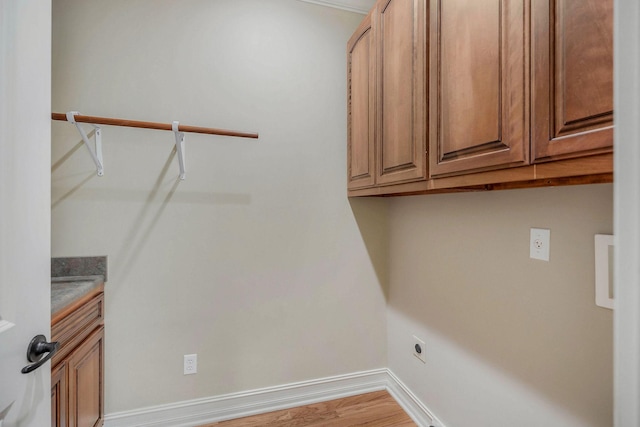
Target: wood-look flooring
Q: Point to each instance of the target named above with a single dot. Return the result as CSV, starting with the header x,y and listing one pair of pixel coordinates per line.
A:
x,y
377,409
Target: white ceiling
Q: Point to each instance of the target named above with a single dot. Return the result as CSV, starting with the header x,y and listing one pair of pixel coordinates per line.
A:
x,y
359,6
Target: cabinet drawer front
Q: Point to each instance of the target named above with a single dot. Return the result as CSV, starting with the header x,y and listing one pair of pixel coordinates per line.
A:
x,y
479,85
74,328
572,78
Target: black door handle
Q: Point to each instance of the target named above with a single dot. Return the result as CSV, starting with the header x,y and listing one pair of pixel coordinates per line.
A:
x,y
39,352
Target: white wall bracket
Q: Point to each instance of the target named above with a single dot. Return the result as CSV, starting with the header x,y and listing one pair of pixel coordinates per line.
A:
x,y
179,147
96,150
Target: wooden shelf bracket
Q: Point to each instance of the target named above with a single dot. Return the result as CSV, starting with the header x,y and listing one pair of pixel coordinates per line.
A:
x,y
96,150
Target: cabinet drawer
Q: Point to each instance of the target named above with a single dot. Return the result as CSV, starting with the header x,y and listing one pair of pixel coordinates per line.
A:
x,y
74,328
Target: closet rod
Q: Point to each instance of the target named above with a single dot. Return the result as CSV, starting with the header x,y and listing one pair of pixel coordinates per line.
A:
x,y
151,125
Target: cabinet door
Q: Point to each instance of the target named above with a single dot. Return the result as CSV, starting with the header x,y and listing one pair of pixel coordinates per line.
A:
x,y
59,396
479,92
361,107
86,375
402,91
572,78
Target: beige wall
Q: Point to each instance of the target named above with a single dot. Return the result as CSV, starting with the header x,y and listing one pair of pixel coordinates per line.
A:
x,y
255,262
510,341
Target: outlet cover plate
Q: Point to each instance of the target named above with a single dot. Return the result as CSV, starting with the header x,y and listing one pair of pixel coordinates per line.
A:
x,y
539,244
190,364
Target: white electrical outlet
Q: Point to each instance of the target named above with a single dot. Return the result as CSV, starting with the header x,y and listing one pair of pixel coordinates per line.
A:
x,y
419,349
539,244
190,364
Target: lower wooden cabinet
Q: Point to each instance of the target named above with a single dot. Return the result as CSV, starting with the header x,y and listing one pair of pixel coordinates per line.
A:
x,y
77,376
59,395
85,368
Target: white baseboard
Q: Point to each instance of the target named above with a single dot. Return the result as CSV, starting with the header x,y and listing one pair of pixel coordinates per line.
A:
x,y
410,403
213,409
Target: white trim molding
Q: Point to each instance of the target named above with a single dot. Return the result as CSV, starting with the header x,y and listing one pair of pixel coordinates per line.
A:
x,y
236,405
5,325
626,207
362,6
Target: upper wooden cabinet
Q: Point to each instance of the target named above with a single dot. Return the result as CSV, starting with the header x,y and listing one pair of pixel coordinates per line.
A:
x,y
361,89
455,95
479,85
572,85
387,98
401,132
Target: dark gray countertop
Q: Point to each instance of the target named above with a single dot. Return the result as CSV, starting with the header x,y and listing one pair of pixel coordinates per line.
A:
x,y
66,290
79,266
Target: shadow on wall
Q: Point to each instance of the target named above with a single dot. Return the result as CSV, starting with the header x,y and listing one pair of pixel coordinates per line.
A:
x,y
69,192
138,233
79,190
372,217
461,272
141,229
153,207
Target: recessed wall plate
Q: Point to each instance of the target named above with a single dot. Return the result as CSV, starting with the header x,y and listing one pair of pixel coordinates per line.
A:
x,y
604,270
419,349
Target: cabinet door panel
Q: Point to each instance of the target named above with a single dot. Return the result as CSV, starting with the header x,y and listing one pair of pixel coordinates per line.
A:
x,y
86,374
361,107
59,396
573,78
470,77
402,111
479,115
